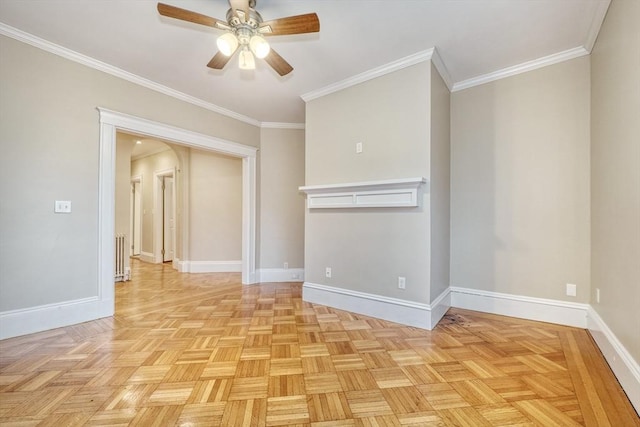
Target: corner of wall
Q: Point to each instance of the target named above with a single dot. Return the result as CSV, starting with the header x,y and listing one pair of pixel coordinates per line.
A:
x,y
396,310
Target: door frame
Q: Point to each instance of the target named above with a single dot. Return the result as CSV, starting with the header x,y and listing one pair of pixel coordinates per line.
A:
x,y
110,123
133,214
158,225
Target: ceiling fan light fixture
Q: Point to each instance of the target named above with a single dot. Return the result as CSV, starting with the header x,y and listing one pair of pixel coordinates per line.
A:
x,y
246,60
259,46
244,30
227,43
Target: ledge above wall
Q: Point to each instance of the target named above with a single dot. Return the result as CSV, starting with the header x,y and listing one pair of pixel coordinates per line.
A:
x,y
370,194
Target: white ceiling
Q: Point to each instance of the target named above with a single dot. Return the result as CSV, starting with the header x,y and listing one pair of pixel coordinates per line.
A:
x,y
473,38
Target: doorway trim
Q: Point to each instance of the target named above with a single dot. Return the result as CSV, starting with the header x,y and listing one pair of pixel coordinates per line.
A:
x,y
135,215
158,225
112,122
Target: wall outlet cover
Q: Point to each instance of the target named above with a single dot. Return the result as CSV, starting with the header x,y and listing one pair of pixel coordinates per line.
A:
x,y
62,206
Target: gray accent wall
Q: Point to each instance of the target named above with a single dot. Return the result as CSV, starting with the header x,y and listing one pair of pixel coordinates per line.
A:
x,y
615,173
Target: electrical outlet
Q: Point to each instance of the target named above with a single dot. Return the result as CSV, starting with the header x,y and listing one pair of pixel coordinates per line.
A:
x,y
402,282
571,290
327,272
358,147
598,295
286,265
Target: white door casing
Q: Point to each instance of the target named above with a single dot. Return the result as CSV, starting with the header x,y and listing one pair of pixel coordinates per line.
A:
x,y
164,213
110,123
136,214
169,229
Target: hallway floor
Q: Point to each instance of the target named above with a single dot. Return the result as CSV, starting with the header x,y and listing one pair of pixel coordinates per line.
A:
x,y
203,350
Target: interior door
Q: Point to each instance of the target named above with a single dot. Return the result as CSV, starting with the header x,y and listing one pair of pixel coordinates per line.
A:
x,y
168,221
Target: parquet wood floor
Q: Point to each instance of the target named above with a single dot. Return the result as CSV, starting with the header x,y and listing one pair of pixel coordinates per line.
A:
x,y
202,350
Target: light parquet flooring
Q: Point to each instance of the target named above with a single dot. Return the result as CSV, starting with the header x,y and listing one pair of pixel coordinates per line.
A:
x,y
202,350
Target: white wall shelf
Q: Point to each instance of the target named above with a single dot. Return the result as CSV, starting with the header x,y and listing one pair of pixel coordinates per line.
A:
x,y
371,194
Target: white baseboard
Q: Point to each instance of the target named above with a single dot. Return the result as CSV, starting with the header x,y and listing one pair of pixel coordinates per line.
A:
x,y
395,310
428,315
210,266
625,368
280,275
147,257
523,307
439,307
42,318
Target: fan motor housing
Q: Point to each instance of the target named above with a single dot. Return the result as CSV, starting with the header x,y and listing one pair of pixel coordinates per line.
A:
x,y
252,21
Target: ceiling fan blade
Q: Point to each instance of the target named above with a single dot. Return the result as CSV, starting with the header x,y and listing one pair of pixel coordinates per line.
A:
x,y
241,6
278,63
187,15
218,61
299,24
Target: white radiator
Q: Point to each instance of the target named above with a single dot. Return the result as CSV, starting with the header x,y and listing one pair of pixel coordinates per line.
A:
x,y
122,272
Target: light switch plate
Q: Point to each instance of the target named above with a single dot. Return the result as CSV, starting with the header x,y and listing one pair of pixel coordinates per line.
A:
x,y
62,206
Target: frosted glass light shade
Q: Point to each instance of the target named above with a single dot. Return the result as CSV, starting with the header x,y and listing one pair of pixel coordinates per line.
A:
x,y
227,43
259,46
247,62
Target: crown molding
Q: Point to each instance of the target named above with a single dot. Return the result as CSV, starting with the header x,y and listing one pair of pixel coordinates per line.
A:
x,y
521,68
429,54
277,125
442,68
371,74
596,24
71,55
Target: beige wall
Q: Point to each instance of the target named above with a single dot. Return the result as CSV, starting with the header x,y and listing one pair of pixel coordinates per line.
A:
x,y
123,193
368,249
439,184
389,115
520,183
215,207
282,206
615,172
49,136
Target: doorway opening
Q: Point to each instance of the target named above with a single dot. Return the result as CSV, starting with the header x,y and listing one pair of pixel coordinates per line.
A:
x,y
110,123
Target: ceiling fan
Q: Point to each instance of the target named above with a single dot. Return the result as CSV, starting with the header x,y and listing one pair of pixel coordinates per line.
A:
x,y
245,32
